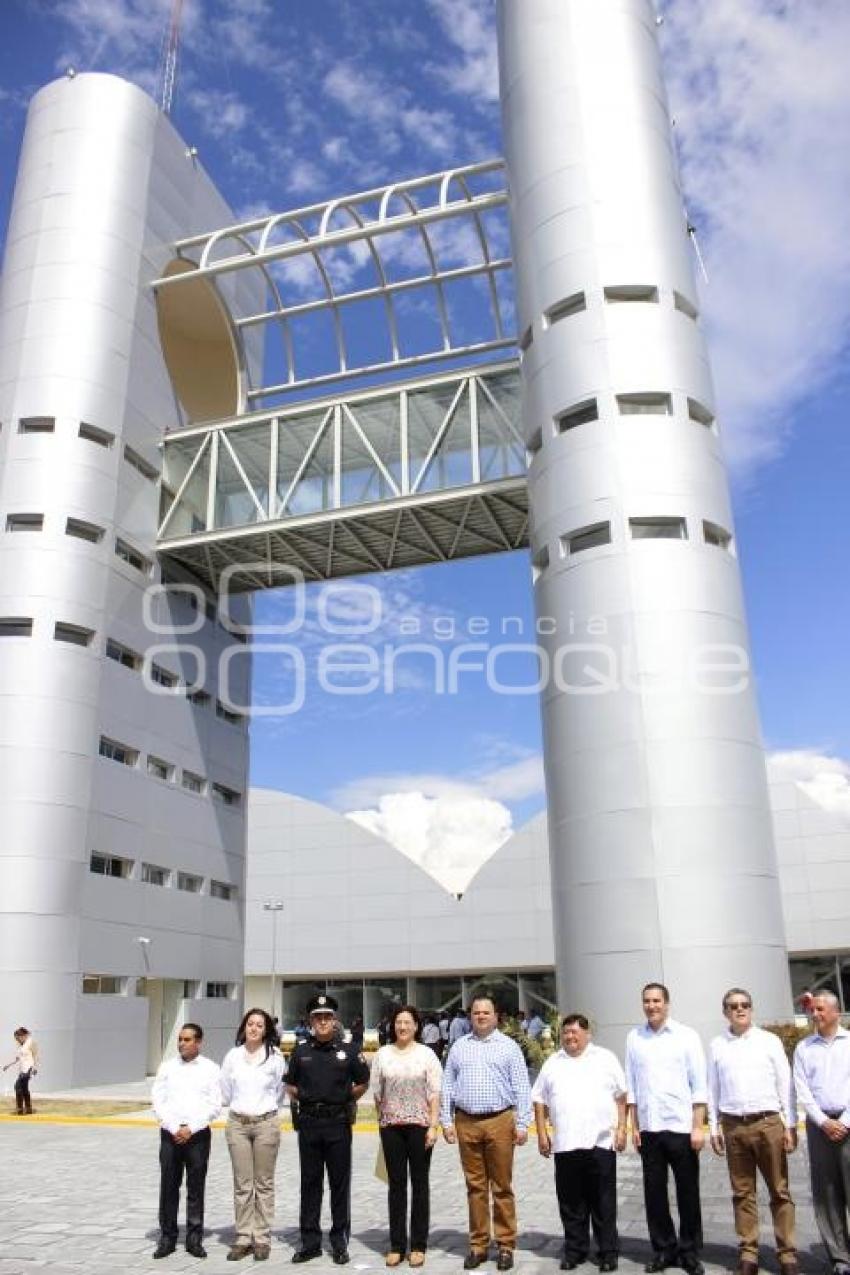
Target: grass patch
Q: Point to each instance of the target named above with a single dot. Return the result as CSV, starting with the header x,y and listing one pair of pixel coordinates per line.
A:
x,y
89,1107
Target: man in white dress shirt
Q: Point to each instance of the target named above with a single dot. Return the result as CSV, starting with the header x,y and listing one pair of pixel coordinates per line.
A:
x,y
186,1097
584,1089
667,1093
753,1121
822,1080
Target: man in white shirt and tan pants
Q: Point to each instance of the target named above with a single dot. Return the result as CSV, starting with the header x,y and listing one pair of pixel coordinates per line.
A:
x,y
583,1089
822,1080
753,1121
186,1098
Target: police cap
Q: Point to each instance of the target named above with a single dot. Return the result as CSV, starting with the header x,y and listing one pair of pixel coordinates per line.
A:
x,y
322,1005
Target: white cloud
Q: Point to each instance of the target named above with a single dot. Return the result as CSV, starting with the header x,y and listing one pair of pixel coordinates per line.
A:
x,y
450,837
761,97
515,780
469,25
824,778
223,113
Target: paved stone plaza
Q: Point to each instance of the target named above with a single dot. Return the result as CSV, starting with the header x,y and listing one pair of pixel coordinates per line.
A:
x,y
83,1198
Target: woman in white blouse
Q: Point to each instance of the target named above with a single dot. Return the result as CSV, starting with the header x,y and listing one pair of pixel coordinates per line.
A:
x,y
406,1083
26,1057
252,1087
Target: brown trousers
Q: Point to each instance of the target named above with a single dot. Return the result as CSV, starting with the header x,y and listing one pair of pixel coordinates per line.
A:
x,y
751,1146
486,1146
253,1151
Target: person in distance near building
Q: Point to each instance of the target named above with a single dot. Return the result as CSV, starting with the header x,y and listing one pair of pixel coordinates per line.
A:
x,y
252,1087
26,1058
753,1121
822,1080
406,1083
325,1077
186,1098
486,1109
583,1090
667,1094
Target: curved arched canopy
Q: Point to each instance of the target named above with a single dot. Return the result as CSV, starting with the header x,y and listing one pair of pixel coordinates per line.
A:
x,y
199,346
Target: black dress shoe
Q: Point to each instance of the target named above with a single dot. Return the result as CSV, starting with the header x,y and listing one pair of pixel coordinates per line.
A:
x,y
659,1263
164,1249
505,1260
693,1266
608,1264
474,1259
570,1263
306,1255
195,1248
340,1257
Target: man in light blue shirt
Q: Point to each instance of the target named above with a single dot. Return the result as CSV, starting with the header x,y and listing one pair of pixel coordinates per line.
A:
x,y
667,1094
486,1109
822,1080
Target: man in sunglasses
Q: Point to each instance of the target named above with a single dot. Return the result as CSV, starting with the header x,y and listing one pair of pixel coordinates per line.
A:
x,y
753,1122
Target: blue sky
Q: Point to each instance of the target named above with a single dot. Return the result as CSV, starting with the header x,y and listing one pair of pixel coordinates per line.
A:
x,y
290,101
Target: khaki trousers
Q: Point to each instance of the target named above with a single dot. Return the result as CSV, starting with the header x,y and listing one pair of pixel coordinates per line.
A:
x,y
486,1146
253,1151
759,1145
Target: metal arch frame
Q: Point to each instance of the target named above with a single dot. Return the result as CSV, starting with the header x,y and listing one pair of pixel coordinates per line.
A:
x,y
428,202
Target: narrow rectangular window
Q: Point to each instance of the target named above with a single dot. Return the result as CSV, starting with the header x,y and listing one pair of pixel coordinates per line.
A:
x,y
700,414
658,528
191,989
92,434
219,991
221,890
631,292
128,554
227,796
687,307
645,404
36,424
598,533
200,698
578,414
109,865
24,522
162,677
122,654
112,750
15,626
160,769
565,309
140,464
152,874
192,782
84,530
73,633
226,715
716,535
104,985
189,882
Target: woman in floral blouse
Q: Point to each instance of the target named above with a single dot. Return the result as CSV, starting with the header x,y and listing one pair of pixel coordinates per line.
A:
x,y
406,1083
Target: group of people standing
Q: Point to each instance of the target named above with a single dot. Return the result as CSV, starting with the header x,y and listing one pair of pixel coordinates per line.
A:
x,y
584,1106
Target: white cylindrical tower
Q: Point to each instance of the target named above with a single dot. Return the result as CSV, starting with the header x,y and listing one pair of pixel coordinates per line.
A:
x,y
661,844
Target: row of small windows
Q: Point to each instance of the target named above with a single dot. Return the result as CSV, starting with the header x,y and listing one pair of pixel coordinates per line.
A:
x,y
620,294
659,528
130,659
159,768
119,985
82,530
91,434
110,865
642,403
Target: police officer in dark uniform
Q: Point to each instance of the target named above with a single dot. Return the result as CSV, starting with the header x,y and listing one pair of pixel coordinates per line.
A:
x,y
325,1077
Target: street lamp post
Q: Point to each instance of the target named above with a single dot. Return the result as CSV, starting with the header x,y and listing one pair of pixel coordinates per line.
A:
x,y
274,906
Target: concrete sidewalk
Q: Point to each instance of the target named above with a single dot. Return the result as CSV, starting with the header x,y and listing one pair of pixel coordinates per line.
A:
x,y
82,1200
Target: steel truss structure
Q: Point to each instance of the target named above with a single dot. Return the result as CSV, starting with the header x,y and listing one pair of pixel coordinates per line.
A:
x,y
369,268
401,476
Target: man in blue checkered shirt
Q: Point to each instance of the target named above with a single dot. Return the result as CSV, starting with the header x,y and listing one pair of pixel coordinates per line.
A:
x,y
486,1109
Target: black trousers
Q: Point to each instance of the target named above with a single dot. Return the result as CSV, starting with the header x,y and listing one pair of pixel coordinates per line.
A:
x,y
405,1152
325,1144
659,1152
23,1101
174,1157
586,1186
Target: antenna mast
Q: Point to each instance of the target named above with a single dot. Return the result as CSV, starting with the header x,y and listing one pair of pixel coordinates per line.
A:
x,y
170,49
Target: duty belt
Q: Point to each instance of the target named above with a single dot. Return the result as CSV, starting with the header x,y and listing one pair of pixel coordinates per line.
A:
x,y
325,1110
